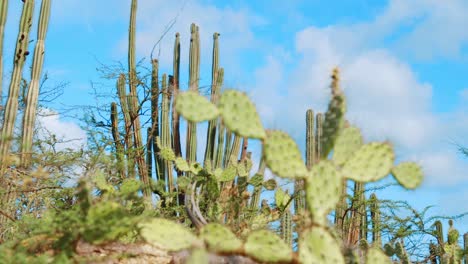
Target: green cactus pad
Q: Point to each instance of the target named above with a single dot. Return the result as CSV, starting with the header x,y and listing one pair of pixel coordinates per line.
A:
x,y
408,174
167,154
219,238
375,255
371,162
181,164
348,141
195,168
239,115
270,184
323,190
129,186
198,256
227,174
282,155
317,246
281,198
265,246
167,235
195,107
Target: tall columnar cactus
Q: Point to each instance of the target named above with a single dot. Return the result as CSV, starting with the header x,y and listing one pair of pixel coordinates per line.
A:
x,y
155,116
165,132
119,147
29,116
194,71
128,136
375,219
3,17
134,106
11,108
175,91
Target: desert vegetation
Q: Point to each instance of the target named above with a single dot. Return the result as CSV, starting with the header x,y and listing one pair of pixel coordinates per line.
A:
x,y
136,194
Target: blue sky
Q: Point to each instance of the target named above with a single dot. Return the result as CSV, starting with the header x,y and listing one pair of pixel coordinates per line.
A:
x,y
404,67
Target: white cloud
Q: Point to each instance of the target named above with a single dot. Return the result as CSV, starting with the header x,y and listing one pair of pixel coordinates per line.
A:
x,y
68,132
385,96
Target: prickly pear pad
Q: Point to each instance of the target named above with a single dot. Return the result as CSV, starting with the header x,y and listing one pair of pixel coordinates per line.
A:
x,y
167,235
349,140
195,107
375,255
219,238
266,246
282,155
239,115
323,189
408,174
371,162
317,246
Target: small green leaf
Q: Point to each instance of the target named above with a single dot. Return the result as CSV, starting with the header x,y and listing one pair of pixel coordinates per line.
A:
x,y
167,154
181,164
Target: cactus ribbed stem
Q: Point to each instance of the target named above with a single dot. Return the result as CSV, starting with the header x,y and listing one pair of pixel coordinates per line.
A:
x,y
11,108
215,87
158,161
135,107
375,220
194,69
175,90
227,148
286,227
118,144
149,152
318,137
128,138
165,131
219,150
29,116
3,17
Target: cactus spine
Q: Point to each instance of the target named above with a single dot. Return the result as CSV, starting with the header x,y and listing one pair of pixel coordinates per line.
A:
x,y
3,17
29,116
11,108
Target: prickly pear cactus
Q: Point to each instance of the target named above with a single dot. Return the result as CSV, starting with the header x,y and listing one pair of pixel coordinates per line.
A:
x,y
282,155
348,142
266,246
323,189
375,255
239,115
195,107
168,235
369,163
317,246
219,238
408,174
